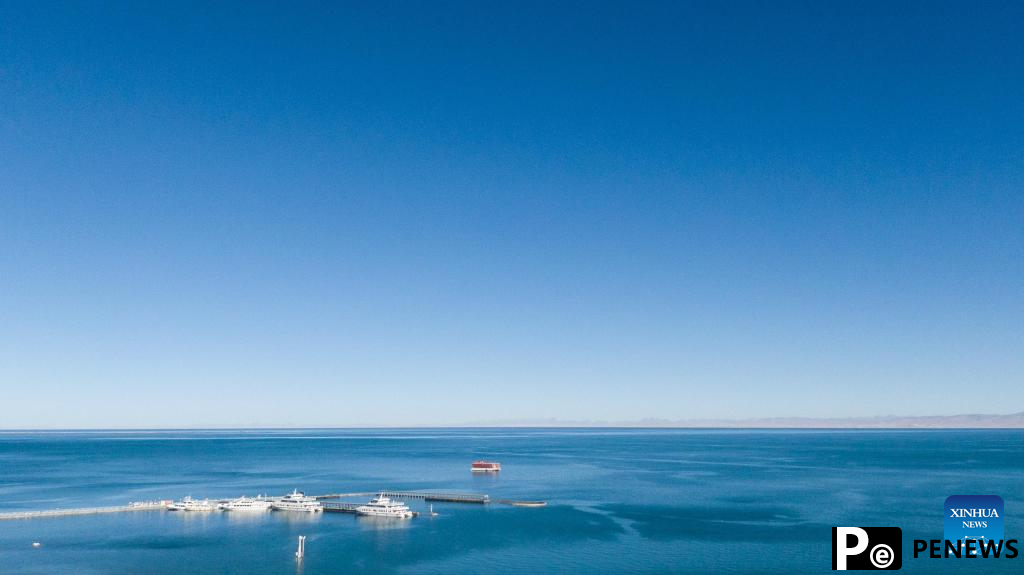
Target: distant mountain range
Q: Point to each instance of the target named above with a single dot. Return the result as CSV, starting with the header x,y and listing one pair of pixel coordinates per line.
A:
x,y
968,421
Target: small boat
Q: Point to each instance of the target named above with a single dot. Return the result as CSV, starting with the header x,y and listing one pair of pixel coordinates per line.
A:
x,y
297,501
382,506
244,503
485,467
189,504
523,503
36,544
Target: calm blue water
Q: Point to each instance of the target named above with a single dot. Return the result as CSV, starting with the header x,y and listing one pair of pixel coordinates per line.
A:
x,y
636,501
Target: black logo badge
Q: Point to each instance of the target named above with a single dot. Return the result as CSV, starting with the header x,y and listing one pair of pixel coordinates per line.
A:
x,y
867,548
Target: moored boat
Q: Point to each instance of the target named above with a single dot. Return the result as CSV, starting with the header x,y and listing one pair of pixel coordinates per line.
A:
x,y
244,503
297,501
189,504
485,467
382,506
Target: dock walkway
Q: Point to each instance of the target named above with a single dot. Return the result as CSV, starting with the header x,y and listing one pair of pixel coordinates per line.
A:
x,y
80,511
345,495
336,507
432,496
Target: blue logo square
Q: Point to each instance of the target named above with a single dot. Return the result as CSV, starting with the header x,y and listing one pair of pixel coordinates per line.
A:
x,y
977,517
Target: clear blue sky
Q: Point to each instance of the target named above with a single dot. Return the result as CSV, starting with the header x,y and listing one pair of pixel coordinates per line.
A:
x,y
403,213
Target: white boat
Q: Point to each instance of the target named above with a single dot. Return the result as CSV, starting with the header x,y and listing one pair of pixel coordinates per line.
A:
x,y
244,503
189,504
297,501
381,506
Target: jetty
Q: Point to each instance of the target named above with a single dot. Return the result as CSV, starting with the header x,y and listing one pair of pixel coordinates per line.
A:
x,y
346,507
350,508
330,506
345,495
424,495
156,506
433,496
339,507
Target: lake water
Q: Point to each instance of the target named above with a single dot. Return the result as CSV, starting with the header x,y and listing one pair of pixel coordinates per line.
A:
x,y
620,501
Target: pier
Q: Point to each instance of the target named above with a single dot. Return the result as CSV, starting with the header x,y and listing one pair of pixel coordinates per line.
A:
x,y
338,507
424,495
345,495
445,497
329,506
81,511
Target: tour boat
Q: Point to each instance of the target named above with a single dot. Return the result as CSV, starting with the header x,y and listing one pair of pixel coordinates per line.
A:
x,y
297,501
485,467
189,504
244,503
381,506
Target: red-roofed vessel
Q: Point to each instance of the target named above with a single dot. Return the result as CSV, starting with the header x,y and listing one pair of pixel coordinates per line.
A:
x,y
485,467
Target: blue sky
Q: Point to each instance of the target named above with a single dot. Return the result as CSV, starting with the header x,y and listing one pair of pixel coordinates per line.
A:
x,y
403,213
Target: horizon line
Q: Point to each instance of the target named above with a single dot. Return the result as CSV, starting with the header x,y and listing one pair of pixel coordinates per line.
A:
x,y
956,421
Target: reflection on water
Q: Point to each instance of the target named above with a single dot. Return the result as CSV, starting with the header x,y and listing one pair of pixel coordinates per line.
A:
x,y
243,517
195,517
372,523
484,479
297,517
